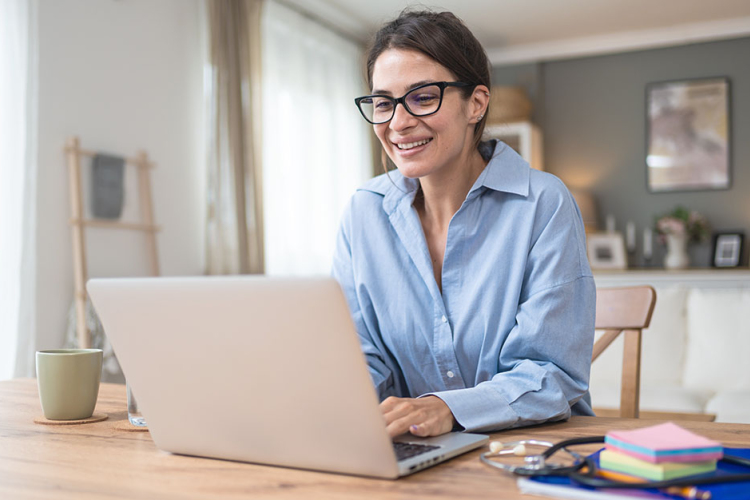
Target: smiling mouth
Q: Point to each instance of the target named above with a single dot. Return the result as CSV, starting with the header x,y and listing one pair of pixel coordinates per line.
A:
x,y
410,145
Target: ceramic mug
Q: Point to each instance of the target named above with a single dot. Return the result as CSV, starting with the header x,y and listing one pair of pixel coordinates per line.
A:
x,y
68,382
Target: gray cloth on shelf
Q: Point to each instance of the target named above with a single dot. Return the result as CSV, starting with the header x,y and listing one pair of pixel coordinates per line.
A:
x,y
108,186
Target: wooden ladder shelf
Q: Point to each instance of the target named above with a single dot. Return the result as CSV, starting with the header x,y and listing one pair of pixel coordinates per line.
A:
x,y
79,223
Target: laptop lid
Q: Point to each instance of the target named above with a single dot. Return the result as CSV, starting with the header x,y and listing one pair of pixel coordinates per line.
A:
x,y
251,368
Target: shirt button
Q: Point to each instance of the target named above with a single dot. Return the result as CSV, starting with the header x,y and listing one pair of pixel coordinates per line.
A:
x,y
450,374
444,319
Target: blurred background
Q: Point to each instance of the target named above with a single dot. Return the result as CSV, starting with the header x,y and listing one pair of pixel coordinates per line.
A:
x,y
245,110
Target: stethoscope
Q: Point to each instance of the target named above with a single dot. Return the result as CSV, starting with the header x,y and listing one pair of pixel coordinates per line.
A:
x,y
539,465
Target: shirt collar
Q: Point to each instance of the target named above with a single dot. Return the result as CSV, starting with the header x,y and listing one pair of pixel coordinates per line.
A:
x,y
393,187
506,171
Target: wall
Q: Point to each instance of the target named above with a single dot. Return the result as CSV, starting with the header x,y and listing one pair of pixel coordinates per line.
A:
x,y
592,112
123,76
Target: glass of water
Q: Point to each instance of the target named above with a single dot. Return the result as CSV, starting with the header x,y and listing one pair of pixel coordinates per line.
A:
x,y
134,414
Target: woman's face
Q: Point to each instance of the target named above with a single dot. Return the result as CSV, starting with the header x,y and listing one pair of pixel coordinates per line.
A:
x,y
421,146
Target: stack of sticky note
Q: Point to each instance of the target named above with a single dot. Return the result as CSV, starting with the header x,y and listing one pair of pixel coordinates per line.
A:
x,y
661,452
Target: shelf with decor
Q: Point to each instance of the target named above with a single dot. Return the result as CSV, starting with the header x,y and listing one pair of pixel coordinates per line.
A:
x,y
699,277
523,136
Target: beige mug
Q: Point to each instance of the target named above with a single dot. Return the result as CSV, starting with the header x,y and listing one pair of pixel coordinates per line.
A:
x,y
68,382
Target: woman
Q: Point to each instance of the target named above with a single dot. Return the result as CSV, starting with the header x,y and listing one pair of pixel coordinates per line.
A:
x,y
465,270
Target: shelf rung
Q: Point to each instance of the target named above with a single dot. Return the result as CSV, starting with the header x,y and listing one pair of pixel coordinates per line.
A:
x,y
116,225
134,161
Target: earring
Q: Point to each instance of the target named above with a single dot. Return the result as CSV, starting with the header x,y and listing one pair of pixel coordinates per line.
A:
x,y
479,118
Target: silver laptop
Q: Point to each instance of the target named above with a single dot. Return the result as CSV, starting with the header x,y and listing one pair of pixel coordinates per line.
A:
x,y
256,369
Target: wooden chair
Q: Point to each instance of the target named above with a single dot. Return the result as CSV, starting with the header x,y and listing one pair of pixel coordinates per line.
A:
x,y
628,311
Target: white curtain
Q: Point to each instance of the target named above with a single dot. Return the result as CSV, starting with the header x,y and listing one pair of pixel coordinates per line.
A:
x,y
18,91
316,146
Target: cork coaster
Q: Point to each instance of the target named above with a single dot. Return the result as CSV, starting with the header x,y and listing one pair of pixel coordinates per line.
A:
x,y
96,417
126,426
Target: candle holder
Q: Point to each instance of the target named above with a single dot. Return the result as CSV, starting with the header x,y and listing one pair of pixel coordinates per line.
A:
x,y
630,243
648,247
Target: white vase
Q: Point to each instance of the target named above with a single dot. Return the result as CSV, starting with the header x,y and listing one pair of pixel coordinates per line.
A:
x,y
677,256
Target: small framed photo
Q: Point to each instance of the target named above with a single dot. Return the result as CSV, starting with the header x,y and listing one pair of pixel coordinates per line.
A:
x,y
728,249
606,251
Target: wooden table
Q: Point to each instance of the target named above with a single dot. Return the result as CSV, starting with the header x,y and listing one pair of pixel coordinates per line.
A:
x,y
97,461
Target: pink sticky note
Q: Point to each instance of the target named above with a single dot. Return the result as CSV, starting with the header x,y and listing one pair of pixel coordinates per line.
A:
x,y
664,437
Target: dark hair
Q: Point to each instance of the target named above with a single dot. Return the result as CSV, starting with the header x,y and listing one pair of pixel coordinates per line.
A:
x,y
443,37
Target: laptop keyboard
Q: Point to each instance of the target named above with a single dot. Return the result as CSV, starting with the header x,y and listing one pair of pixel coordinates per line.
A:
x,y
408,450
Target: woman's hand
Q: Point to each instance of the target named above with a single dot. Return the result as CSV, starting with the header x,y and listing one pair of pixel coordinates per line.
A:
x,y
428,416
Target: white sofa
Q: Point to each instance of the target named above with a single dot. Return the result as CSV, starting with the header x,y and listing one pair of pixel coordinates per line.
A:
x,y
695,355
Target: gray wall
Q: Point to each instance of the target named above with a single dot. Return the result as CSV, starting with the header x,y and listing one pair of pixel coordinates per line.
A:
x,y
592,113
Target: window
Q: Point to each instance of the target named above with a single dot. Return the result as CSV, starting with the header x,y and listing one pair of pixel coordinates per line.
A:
x,y
17,185
316,147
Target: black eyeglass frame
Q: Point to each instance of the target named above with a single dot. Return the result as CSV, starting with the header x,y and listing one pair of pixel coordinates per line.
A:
x,y
402,100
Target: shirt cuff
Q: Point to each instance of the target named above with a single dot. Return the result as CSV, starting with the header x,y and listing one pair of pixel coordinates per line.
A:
x,y
478,409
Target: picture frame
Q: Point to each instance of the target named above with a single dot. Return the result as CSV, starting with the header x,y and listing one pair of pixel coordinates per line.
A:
x,y
727,249
688,135
606,251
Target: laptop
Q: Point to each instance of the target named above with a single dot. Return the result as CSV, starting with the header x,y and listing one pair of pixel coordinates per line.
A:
x,y
257,369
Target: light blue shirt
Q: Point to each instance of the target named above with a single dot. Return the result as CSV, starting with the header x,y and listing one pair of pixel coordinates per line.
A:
x,y
508,341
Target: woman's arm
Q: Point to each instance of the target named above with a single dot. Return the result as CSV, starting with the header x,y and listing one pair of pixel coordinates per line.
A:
x,y
549,350
343,272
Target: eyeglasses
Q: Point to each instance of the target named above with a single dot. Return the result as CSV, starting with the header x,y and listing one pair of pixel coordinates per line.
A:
x,y
420,101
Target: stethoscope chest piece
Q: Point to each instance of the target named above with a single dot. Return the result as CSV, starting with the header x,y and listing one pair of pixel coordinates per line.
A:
x,y
533,464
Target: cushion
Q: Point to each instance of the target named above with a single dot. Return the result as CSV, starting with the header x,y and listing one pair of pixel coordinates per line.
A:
x,y
604,395
731,406
718,335
676,399
606,371
662,346
663,343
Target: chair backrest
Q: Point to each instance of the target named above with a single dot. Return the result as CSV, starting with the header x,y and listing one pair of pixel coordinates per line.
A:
x,y
627,311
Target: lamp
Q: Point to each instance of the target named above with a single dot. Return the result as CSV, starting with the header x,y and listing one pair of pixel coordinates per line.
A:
x,y
587,205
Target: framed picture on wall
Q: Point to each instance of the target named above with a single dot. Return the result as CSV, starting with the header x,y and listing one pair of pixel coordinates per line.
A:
x,y
687,135
727,249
